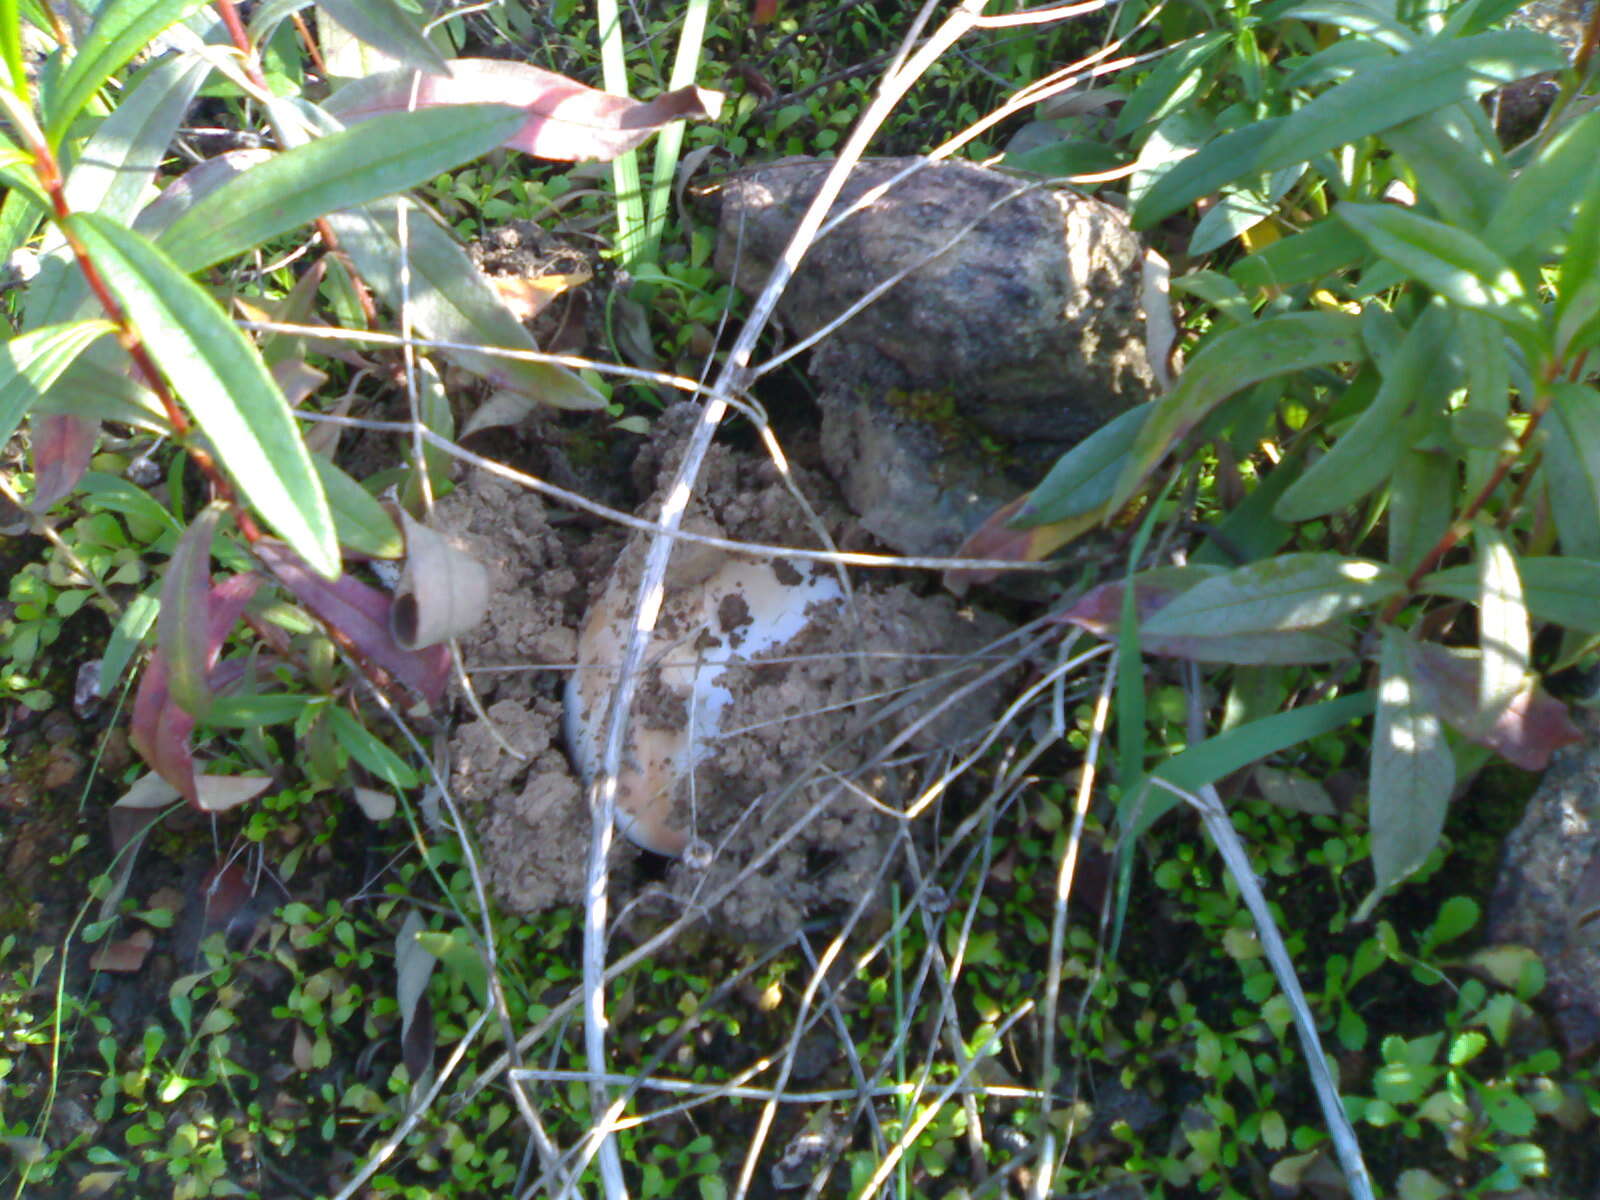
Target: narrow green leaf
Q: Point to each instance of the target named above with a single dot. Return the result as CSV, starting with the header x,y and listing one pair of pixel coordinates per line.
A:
x,y
1420,492
1291,591
389,29
126,637
1503,633
1230,363
1376,98
1580,266
245,712
371,753
377,158
1459,168
183,630
1085,476
220,377
451,301
1173,81
1368,19
1486,358
361,522
1367,453
1563,591
1219,756
1539,205
1572,467
11,45
1451,261
121,29
117,164
31,362
1321,250
1412,770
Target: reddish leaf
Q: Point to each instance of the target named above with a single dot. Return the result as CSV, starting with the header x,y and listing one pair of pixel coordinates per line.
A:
x,y
226,899
126,956
1525,732
764,12
995,539
160,729
361,614
183,636
62,447
1099,612
566,120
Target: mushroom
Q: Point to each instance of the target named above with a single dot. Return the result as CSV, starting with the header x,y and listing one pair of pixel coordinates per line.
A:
x,y
720,613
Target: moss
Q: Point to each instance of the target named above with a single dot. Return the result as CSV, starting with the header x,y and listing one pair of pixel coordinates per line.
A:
x,y
939,412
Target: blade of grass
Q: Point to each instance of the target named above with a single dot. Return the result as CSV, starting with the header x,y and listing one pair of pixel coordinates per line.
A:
x,y
625,167
670,141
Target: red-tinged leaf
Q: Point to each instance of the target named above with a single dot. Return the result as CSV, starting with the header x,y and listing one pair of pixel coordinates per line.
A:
x,y
1099,610
63,444
361,614
995,539
764,12
566,122
160,729
1531,727
183,634
124,957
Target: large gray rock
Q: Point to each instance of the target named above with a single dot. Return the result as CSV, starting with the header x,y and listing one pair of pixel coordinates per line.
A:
x,y
1018,331
1547,895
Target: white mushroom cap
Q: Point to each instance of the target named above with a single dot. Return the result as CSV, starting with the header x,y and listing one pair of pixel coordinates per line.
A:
x,y
732,612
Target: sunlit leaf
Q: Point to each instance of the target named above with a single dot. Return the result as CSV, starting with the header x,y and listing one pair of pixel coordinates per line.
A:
x,y
363,525
562,119
1412,771
1290,591
1447,259
451,301
222,380
1085,476
1229,363
389,29
1564,591
121,29
1539,205
31,362
1457,163
1503,632
342,170
1377,97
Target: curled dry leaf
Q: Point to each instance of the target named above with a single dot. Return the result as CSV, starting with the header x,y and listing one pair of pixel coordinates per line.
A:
x,y
566,121
377,805
443,593
995,539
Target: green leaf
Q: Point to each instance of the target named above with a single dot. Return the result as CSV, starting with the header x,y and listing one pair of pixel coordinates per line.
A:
x,y
121,29
1412,770
1420,491
1540,203
451,301
246,712
1369,19
1291,591
367,750
1368,452
360,521
1232,362
377,158
1172,82
1085,476
1378,97
1560,590
1219,756
1503,633
31,362
221,379
1321,250
1457,163
1578,297
389,29
183,631
1572,467
11,45
1451,261
117,164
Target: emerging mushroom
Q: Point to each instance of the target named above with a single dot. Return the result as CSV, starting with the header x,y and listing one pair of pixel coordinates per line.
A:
x,y
720,613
